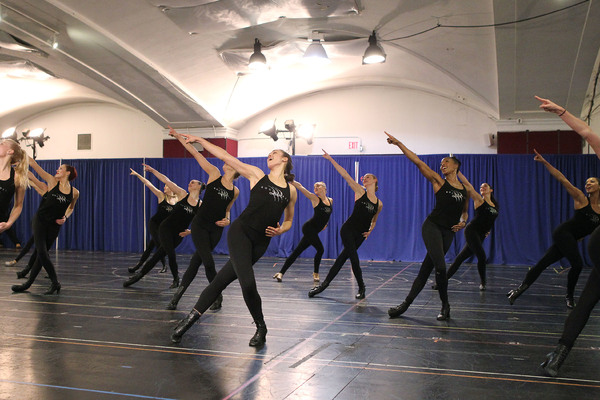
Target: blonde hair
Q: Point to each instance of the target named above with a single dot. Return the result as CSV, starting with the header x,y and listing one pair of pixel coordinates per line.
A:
x,y
20,161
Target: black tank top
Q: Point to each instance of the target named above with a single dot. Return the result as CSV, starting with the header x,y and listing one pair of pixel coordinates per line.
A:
x,y
55,204
583,222
485,215
7,192
321,216
163,211
449,204
181,216
214,204
267,203
362,214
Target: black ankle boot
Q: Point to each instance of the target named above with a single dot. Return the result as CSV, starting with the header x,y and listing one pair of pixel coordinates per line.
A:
x,y
398,310
318,289
175,283
133,269
554,360
21,288
183,326
163,269
133,279
217,304
515,293
22,274
176,297
444,314
260,336
54,287
570,302
361,293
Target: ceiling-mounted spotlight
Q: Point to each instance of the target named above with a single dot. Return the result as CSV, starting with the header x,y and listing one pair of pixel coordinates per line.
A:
x,y
269,129
10,133
315,54
374,53
257,60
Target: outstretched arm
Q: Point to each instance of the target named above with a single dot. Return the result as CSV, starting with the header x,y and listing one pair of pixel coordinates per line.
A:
x,y
160,195
473,194
38,185
49,178
212,171
575,123
355,186
579,198
432,176
179,192
314,199
250,172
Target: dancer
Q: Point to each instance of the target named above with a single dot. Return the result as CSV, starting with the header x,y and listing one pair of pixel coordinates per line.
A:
x,y
356,229
13,183
486,211
249,235
311,228
590,295
50,216
207,226
168,231
566,235
166,201
449,215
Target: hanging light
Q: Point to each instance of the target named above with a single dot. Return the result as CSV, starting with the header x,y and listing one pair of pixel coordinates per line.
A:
x,y
374,53
269,129
257,60
315,54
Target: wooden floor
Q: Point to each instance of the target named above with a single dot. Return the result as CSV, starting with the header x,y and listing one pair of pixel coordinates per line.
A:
x,y
98,340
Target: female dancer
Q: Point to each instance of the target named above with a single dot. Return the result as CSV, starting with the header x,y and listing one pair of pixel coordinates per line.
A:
x,y
249,235
356,229
169,230
13,183
566,235
486,212
311,228
591,292
166,201
207,226
448,217
50,216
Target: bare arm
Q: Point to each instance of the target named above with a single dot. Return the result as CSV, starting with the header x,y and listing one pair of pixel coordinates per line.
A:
x,y
250,172
579,199
463,218
373,221
288,216
436,180
179,192
227,220
70,209
212,171
160,195
355,186
477,199
43,174
16,209
38,185
575,123
314,199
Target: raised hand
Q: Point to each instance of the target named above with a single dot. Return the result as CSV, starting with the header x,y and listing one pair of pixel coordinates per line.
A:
x,y
538,156
391,139
549,106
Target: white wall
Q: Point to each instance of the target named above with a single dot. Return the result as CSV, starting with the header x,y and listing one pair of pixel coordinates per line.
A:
x,y
117,132
426,123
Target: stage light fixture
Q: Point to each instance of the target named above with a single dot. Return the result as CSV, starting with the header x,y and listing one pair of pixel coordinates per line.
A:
x,y
257,60
374,53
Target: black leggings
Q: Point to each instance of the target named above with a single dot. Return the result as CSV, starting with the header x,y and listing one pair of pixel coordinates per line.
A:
x,y
246,247
44,234
473,246
351,239
589,297
565,245
153,230
206,238
25,249
169,241
310,238
437,242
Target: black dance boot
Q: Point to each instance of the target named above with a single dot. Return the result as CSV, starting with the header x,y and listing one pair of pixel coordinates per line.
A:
x,y
554,360
133,279
570,302
444,314
217,304
318,289
176,297
133,269
54,287
21,288
183,326
398,310
260,336
361,293
515,293
22,274
175,283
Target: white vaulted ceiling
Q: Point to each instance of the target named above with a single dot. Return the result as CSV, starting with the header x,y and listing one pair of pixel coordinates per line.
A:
x,y
184,62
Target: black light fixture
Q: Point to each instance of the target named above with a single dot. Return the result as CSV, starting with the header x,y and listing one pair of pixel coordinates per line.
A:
x,y
305,131
257,60
37,138
374,53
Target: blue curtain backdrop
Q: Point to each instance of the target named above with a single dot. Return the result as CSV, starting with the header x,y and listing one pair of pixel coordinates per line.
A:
x,y
114,207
